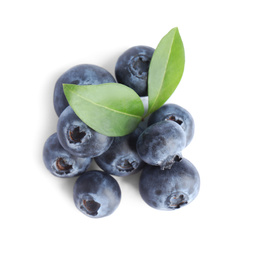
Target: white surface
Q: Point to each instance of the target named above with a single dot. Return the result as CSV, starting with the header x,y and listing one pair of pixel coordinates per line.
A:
x,y
42,39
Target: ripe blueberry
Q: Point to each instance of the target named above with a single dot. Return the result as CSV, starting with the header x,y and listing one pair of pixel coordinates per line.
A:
x,y
96,194
79,139
175,113
132,68
121,158
169,189
60,162
84,74
161,144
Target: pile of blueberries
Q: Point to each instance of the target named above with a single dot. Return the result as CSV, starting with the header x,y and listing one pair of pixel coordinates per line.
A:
x,y
167,181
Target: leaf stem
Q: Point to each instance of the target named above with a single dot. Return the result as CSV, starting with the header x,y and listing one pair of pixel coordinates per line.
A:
x,y
146,115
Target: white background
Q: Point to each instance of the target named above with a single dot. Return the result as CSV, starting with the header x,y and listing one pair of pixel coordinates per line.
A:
x,y
42,39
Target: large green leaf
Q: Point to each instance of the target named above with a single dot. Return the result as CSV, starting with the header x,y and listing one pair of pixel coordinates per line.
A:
x,y
166,69
111,109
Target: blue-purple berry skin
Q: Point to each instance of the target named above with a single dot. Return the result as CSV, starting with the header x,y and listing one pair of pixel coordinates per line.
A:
x,y
60,162
122,159
96,194
132,68
161,144
175,113
83,74
78,138
169,189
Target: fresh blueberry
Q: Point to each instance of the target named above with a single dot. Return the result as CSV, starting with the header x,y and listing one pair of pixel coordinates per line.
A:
x,y
132,68
161,144
175,113
122,159
60,162
96,194
78,138
169,189
84,74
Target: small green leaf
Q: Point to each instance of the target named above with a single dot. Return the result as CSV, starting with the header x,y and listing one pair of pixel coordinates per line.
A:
x,y
166,69
111,109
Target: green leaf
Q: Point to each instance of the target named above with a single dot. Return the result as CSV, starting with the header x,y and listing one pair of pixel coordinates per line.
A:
x,y
166,69
111,109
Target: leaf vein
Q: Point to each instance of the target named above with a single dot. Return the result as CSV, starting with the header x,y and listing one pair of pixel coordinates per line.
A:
x,y
105,107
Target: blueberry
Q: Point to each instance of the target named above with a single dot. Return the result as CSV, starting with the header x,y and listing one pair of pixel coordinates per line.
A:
x,y
169,189
60,162
78,138
84,74
96,194
161,144
175,113
132,68
122,159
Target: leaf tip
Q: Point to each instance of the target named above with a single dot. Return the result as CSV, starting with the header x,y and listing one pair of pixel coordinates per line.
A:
x,y
67,90
65,86
174,30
